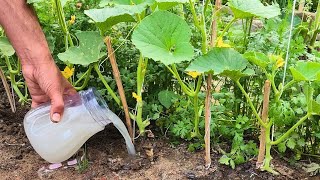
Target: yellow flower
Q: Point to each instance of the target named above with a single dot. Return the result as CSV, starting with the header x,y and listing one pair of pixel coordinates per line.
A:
x,y
138,98
220,43
67,72
72,19
193,74
280,62
277,59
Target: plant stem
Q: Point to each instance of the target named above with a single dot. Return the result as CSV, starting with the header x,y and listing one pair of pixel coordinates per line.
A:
x,y
251,105
14,85
203,29
184,87
314,37
7,89
140,79
227,27
308,90
289,84
86,75
62,23
285,135
9,66
268,158
247,33
111,92
180,11
22,98
196,132
194,14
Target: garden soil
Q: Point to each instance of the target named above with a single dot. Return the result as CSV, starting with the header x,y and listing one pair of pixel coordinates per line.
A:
x,y
108,160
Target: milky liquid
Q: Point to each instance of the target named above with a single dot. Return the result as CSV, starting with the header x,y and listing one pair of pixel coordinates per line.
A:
x,y
117,122
57,142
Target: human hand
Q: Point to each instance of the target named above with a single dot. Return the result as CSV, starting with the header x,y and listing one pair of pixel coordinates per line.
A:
x,y
46,83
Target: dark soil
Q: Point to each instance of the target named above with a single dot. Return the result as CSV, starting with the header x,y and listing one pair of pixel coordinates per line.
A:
x,y
108,159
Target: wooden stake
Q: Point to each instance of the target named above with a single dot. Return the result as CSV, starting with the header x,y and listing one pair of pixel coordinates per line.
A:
x,y
117,77
265,110
218,5
208,93
301,6
7,89
208,122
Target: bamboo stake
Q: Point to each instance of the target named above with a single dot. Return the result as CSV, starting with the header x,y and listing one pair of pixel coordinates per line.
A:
x,y
218,5
207,122
265,109
7,89
116,75
208,92
301,6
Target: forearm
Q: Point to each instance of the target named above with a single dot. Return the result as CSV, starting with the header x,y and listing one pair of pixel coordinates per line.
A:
x,y
24,32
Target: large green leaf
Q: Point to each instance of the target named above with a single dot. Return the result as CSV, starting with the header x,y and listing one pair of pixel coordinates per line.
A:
x,y
306,71
90,44
221,61
121,12
165,97
5,47
257,58
168,4
164,37
236,74
253,8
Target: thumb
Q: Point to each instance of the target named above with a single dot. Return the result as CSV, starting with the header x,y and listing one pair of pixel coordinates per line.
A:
x,y
57,105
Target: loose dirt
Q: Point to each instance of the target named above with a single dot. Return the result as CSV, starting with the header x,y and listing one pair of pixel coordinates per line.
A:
x,y
108,160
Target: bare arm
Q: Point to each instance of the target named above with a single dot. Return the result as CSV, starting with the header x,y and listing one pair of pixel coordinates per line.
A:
x,y
42,76
22,27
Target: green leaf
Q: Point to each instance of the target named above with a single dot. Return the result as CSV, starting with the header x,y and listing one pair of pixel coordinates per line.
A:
x,y
221,61
224,160
232,164
90,44
168,4
257,58
301,142
306,71
253,8
165,98
63,2
5,47
318,99
107,17
164,37
291,143
236,74
282,147
33,1
315,107
104,3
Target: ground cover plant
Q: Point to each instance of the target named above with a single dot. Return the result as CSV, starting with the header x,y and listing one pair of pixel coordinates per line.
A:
x,y
241,76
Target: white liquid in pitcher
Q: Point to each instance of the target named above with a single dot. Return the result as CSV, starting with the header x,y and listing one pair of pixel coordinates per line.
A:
x,y
56,142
